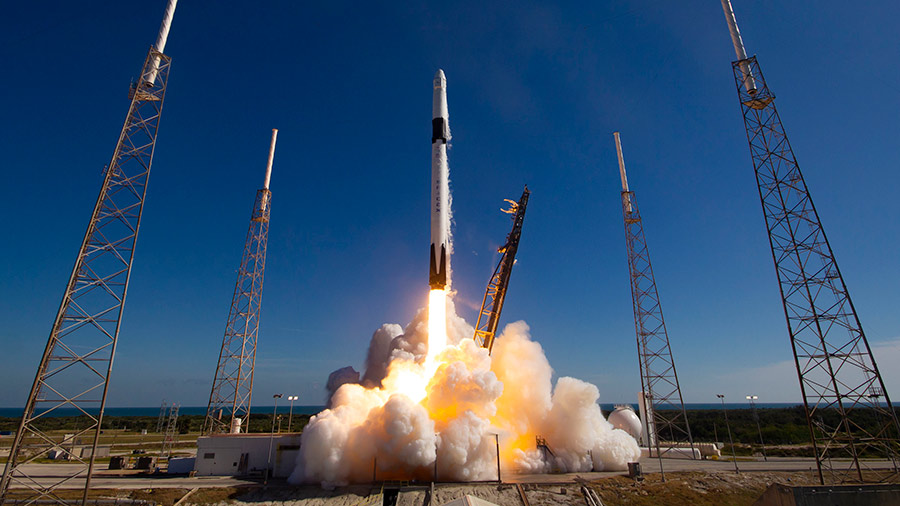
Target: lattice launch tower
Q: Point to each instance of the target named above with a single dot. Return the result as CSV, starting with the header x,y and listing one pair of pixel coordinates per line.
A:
x,y
232,388
75,368
839,380
662,407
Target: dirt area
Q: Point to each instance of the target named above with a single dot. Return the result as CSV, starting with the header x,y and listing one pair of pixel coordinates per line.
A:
x,y
679,489
695,488
160,496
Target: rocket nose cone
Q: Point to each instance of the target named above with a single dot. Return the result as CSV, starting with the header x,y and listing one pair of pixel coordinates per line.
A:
x,y
440,80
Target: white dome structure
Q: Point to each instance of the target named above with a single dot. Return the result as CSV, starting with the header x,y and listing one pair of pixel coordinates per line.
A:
x,y
626,419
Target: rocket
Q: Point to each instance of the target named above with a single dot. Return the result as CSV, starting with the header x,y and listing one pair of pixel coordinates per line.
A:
x,y
440,187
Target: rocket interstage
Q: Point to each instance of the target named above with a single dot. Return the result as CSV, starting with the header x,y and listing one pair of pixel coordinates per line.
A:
x,y
440,187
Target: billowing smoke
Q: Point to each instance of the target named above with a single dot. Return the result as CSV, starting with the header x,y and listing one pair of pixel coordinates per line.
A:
x,y
405,419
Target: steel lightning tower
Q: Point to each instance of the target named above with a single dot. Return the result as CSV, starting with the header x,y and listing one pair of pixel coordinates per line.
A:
x,y
75,367
232,388
663,408
839,379
492,304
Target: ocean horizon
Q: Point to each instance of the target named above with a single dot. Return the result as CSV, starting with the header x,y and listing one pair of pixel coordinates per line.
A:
x,y
313,409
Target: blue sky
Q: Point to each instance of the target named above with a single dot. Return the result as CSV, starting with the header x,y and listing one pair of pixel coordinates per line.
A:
x,y
535,92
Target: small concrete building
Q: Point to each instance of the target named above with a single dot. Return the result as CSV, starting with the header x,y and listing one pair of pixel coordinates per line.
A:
x,y
247,454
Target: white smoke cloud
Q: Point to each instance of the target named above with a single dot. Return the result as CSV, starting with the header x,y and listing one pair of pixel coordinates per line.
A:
x,y
471,397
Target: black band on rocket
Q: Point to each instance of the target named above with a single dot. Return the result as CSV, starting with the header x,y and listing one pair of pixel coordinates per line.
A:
x,y
439,130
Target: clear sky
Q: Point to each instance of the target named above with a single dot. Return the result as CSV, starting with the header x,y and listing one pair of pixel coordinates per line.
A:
x,y
535,92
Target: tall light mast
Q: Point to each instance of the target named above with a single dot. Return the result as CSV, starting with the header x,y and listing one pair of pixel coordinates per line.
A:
x,y
232,388
662,408
839,380
75,368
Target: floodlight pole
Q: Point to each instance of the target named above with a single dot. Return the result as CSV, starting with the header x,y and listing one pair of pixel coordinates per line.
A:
x,y
730,440
291,398
752,399
271,438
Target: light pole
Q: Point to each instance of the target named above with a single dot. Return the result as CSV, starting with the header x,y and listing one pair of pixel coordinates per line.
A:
x,y
271,438
291,398
497,443
730,440
752,399
653,434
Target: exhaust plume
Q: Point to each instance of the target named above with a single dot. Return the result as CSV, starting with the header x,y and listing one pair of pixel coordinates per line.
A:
x,y
417,412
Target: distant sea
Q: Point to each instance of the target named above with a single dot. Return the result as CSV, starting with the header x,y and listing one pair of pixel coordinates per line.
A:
x,y
715,405
311,410
154,411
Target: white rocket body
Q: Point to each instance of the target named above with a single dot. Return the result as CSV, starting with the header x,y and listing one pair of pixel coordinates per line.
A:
x,y
439,264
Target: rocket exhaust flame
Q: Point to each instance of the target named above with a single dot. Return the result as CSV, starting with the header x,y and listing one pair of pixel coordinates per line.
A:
x,y
437,327
440,409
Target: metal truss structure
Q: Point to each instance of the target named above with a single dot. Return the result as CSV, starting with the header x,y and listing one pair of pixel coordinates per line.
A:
x,y
667,420
162,417
171,433
839,379
492,304
663,408
76,364
229,400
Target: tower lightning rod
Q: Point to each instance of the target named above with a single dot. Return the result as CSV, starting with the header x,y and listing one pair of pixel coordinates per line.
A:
x,y
271,158
264,198
622,170
161,38
738,43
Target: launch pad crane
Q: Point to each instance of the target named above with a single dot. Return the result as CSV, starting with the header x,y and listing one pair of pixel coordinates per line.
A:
x,y
489,317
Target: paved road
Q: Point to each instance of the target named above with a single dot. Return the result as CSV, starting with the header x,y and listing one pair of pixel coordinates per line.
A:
x,y
50,473
47,474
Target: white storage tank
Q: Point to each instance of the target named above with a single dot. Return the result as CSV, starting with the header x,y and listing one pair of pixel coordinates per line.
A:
x,y
626,419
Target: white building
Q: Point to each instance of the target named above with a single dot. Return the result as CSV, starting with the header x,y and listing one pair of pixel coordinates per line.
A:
x,y
247,454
